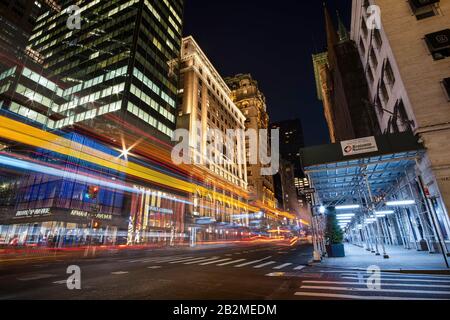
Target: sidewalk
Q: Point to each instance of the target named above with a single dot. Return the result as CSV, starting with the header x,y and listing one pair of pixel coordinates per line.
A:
x,y
400,260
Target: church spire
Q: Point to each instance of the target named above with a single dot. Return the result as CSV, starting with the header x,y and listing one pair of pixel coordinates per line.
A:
x,y
332,38
342,30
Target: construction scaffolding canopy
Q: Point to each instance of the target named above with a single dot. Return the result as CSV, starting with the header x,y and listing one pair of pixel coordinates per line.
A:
x,y
376,187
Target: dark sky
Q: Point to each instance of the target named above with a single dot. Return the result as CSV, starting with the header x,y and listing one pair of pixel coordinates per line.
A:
x,y
273,40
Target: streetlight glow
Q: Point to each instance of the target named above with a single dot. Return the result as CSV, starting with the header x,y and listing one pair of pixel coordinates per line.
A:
x,y
349,206
400,203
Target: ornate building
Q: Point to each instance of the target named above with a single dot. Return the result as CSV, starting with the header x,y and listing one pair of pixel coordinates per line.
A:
x,y
251,101
207,111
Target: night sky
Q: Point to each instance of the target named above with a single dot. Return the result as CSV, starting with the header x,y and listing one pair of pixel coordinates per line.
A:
x,y
272,40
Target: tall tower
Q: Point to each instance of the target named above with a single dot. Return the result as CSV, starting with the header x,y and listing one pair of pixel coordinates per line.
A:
x,y
246,95
343,85
106,83
116,66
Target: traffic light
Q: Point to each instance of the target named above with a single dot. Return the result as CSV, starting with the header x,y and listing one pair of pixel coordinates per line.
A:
x,y
91,192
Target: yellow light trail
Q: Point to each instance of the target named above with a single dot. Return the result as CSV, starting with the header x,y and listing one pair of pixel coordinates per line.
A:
x,y
20,132
29,135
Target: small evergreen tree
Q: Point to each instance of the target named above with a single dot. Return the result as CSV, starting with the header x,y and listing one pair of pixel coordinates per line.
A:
x,y
333,233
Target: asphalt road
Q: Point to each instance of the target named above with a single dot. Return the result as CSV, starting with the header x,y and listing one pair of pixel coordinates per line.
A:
x,y
243,272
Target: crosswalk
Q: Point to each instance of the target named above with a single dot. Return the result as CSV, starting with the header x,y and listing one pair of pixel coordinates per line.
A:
x,y
234,261
389,286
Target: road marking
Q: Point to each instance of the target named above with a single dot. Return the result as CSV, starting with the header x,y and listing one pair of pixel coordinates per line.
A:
x,y
346,296
300,267
282,266
154,267
371,290
202,260
186,260
172,259
264,264
383,284
400,279
216,261
36,277
231,262
60,282
252,262
118,273
400,276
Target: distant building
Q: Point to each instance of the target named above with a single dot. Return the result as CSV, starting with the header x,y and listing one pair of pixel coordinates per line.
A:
x,y
285,190
291,141
205,107
407,67
251,101
343,87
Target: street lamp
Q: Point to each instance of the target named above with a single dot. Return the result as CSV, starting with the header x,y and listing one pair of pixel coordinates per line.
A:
x,y
400,203
349,206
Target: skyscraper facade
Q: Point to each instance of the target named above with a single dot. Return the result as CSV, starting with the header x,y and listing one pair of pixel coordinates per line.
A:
x,y
291,141
108,77
407,63
251,101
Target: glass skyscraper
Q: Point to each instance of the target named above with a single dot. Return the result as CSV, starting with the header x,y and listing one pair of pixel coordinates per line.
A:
x,y
118,62
103,85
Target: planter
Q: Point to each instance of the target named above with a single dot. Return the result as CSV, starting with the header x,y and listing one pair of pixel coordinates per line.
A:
x,y
336,251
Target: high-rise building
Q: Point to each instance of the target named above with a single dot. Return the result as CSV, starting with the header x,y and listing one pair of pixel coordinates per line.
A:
x,y
291,141
407,65
111,79
251,101
106,68
17,19
285,190
344,90
206,111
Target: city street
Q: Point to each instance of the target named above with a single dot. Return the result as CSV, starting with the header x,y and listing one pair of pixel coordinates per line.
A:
x,y
243,272
164,150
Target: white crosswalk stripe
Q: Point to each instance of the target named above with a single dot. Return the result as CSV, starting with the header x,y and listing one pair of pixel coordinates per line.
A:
x,y
214,261
354,297
200,261
372,290
404,279
231,262
392,287
384,284
264,265
186,260
300,267
252,262
282,266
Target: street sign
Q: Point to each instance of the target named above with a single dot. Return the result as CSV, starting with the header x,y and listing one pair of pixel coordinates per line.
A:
x,y
308,191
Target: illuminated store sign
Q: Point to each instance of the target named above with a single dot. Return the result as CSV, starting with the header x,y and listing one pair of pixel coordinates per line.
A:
x,y
33,213
85,214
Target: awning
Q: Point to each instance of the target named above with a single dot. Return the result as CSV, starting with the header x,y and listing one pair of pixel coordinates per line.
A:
x,y
336,177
